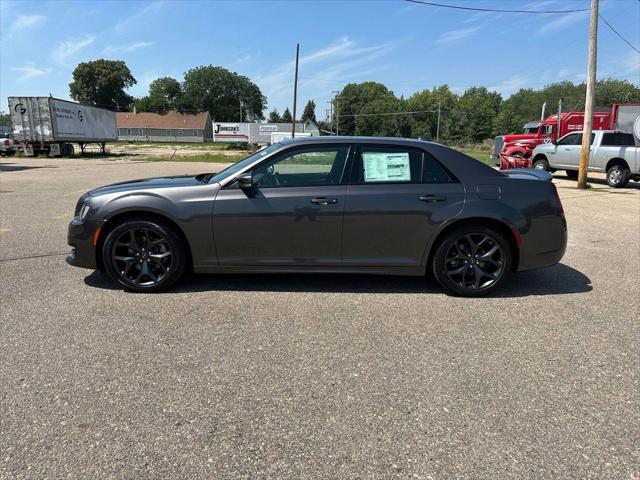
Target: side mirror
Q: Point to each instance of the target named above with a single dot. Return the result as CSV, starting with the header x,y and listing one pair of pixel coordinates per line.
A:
x,y
245,181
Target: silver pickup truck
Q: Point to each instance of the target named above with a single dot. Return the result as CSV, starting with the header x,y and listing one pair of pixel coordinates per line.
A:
x,y
612,152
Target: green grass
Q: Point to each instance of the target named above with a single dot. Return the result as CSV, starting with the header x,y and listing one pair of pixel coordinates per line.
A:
x,y
481,155
184,145
174,145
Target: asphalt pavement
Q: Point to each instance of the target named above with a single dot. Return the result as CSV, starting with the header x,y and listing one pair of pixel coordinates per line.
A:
x,y
313,376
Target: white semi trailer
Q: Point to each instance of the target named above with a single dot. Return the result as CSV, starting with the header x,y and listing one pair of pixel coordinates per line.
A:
x,y
51,126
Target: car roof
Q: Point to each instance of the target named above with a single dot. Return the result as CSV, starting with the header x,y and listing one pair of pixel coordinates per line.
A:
x,y
461,165
350,139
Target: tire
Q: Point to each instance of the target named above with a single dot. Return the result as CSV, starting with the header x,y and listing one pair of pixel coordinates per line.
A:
x,y
618,176
572,174
67,150
144,255
463,264
542,164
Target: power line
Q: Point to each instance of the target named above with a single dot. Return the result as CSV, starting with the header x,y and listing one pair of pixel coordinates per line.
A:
x,y
387,113
477,9
618,34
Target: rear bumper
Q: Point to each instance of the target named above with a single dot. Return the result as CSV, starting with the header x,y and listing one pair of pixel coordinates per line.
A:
x,y
546,246
80,239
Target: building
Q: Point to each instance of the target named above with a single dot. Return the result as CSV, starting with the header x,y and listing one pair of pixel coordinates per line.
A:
x,y
259,133
164,127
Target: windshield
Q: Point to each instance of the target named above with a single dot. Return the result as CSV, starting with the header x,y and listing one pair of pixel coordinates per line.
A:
x,y
531,127
236,167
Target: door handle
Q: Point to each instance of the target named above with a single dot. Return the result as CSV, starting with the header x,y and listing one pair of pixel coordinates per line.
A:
x,y
324,201
432,198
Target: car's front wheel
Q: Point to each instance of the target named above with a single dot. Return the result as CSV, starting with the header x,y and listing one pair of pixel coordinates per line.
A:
x,y
472,261
144,255
542,164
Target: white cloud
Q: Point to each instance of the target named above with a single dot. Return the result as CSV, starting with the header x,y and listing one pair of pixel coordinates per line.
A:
x,y
457,35
29,71
244,58
120,49
510,86
65,50
24,23
322,71
563,21
133,20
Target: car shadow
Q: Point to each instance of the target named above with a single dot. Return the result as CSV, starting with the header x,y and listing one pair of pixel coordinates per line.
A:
x,y
602,181
14,167
559,279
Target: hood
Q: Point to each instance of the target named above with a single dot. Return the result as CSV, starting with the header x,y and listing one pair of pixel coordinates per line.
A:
x,y
519,137
150,183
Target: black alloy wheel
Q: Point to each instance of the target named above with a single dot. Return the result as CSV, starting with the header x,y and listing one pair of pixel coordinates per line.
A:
x,y
144,256
472,261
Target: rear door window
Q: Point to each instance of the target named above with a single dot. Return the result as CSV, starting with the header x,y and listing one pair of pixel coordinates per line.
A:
x,y
618,139
392,164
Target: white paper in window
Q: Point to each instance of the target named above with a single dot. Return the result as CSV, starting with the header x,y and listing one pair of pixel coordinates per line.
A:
x,y
386,167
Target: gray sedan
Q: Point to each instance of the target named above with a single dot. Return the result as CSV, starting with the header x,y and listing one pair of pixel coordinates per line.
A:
x,y
326,204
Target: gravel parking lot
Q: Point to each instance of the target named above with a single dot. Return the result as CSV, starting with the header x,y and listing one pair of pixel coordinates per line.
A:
x,y
318,376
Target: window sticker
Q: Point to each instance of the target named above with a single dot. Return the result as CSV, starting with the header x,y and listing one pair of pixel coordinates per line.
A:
x,y
386,167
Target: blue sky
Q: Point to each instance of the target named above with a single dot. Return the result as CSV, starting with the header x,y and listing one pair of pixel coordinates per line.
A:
x,y
406,46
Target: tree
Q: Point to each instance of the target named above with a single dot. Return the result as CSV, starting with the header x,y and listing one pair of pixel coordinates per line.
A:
x,y
5,119
426,124
473,115
526,103
103,83
366,97
274,116
164,94
222,93
610,91
286,116
309,112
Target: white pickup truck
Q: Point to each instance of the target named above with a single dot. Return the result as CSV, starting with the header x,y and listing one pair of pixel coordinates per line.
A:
x,y
612,152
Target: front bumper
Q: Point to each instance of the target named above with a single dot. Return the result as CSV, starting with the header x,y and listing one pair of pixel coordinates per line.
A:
x,y
80,239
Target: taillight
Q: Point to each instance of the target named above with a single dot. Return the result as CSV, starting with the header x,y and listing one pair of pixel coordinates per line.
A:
x,y
6,142
555,190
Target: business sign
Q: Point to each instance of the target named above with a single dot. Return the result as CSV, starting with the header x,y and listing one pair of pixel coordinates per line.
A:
x,y
230,132
268,128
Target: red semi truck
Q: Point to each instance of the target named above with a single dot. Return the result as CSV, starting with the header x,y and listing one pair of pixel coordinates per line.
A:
x,y
515,150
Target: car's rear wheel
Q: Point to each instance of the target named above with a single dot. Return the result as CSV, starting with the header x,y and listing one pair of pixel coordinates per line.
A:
x,y
472,261
144,255
618,176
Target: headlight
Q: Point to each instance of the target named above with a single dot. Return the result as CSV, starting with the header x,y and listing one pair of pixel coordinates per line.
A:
x,y
84,211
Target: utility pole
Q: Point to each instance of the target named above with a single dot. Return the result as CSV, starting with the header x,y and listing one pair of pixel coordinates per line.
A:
x,y
240,101
337,92
330,102
438,127
295,93
588,106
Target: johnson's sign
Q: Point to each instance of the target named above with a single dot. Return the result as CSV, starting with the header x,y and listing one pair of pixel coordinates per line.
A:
x,y
230,132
